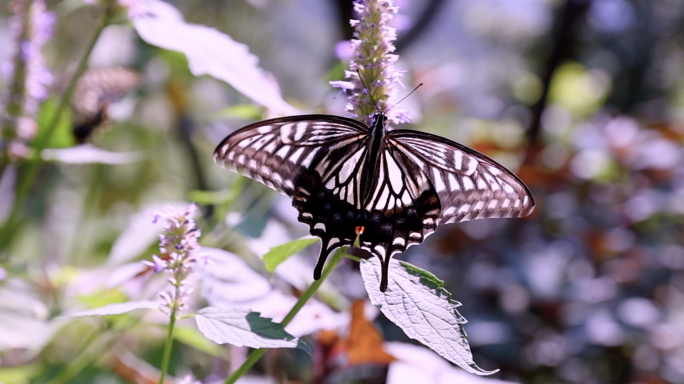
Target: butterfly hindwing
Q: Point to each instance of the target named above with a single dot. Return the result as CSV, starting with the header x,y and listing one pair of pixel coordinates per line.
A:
x,y
401,211
469,184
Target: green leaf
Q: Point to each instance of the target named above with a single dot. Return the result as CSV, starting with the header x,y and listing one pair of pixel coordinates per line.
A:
x,y
581,91
242,327
416,301
115,309
21,374
62,136
240,111
193,338
280,253
211,197
102,298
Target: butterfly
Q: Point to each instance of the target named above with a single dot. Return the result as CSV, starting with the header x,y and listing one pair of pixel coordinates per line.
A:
x,y
95,90
390,187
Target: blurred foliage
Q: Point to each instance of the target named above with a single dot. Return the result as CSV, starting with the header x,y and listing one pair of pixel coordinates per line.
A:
x,y
589,289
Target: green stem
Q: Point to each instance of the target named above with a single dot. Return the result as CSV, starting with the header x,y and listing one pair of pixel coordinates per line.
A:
x,y
96,344
43,139
87,210
169,343
257,353
84,359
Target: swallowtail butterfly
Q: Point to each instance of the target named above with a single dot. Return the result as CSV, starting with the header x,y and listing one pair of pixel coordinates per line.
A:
x,y
95,90
393,187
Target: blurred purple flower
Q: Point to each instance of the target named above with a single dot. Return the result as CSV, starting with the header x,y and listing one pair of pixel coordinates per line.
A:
x,y
344,51
371,57
30,27
134,8
178,247
3,274
38,78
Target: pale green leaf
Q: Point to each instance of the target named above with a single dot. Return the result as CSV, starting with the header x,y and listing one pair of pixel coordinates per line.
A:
x,y
416,301
280,253
115,309
242,327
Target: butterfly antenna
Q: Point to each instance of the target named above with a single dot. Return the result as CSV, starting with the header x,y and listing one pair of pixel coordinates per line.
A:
x,y
368,90
397,103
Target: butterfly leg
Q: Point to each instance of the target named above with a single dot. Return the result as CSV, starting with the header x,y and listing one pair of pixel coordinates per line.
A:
x,y
325,252
385,273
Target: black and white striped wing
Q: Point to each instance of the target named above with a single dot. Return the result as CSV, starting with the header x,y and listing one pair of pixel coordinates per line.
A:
x,y
469,184
276,152
402,211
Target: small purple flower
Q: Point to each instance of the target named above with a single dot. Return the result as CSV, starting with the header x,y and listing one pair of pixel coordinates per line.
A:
x,y
178,246
344,50
157,264
3,274
372,46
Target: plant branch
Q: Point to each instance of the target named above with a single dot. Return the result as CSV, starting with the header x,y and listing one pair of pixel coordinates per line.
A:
x,y
258,353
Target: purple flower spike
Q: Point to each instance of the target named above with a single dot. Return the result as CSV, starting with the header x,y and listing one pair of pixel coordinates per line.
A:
x,y
178,246
371,52
28,78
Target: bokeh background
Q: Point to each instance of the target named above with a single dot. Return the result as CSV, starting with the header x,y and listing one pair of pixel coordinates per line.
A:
x,y
583,99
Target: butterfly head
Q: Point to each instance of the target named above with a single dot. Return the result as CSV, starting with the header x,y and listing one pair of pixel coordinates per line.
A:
x,y
378,120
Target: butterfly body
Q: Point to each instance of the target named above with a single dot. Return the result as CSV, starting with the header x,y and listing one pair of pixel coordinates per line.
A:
x,y
397,185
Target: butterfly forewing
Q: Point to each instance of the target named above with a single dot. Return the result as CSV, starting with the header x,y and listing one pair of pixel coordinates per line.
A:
x,y
276,152
469,184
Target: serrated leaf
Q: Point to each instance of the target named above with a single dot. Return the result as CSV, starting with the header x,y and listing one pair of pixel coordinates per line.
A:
x,y
242,327
115,309
280,253
416,301
209,52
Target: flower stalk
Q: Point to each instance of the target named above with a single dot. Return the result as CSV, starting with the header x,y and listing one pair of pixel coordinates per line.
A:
x,y
177,257
373,61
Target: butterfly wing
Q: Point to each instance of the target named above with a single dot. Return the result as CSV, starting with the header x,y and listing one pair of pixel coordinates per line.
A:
x,y
425,180
95,90
402,211
315,159
276,152
469,184
421,180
